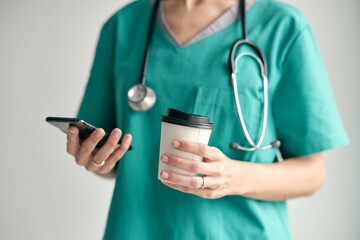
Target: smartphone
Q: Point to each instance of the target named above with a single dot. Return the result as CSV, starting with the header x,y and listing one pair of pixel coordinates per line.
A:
x,y
85,129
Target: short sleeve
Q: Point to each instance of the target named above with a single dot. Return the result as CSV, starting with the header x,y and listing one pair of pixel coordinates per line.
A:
x,y
98,104
306,117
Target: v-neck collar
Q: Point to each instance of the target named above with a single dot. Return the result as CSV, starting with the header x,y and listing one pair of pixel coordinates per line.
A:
x,y
223,21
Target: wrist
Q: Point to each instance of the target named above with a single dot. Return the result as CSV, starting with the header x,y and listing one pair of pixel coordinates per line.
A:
x,y
241,181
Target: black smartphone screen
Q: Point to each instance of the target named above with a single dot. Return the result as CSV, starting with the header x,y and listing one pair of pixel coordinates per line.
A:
x,y
85,129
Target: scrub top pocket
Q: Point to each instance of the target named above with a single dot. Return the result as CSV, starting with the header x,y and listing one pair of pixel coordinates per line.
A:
x,y
219,106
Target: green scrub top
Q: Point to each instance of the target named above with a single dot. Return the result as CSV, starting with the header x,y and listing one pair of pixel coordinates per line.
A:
x,y
195,79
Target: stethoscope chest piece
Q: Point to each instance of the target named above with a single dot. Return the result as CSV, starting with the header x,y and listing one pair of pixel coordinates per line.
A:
x,y
141,98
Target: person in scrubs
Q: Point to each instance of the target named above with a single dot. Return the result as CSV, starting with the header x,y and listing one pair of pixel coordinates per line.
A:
x,y
244,194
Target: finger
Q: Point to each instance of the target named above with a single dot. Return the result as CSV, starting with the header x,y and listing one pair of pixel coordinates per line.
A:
x,y
121,150
93,166
199,149
114,157
84,154
104,152
195,182
204,193
73,141
193,166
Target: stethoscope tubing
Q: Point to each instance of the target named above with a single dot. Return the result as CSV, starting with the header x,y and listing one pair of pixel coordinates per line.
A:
x,y
261,60
247,42
265,104
148,41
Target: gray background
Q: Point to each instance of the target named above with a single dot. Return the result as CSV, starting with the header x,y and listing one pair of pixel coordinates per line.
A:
x,y
46,50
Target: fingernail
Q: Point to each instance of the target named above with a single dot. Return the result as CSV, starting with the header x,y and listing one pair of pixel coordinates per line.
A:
x,y
71,130
164,175
176,144
98,133
164,158
116,134
127,138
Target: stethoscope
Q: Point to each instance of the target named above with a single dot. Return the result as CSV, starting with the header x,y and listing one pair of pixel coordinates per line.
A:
x,y
142,98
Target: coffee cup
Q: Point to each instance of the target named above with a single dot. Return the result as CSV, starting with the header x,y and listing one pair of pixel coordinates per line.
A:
x,y
180,125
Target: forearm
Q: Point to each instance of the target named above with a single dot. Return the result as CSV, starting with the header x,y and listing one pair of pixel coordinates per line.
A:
x,y
279,181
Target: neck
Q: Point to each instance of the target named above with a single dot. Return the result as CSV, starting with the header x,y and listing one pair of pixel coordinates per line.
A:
x,y
190,4
193,3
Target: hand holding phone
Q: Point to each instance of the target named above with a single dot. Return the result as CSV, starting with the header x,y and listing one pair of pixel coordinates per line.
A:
x,y
97,151
85,129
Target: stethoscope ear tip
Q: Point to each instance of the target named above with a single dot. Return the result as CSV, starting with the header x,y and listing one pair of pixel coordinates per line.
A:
x,y
234,145
276,144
